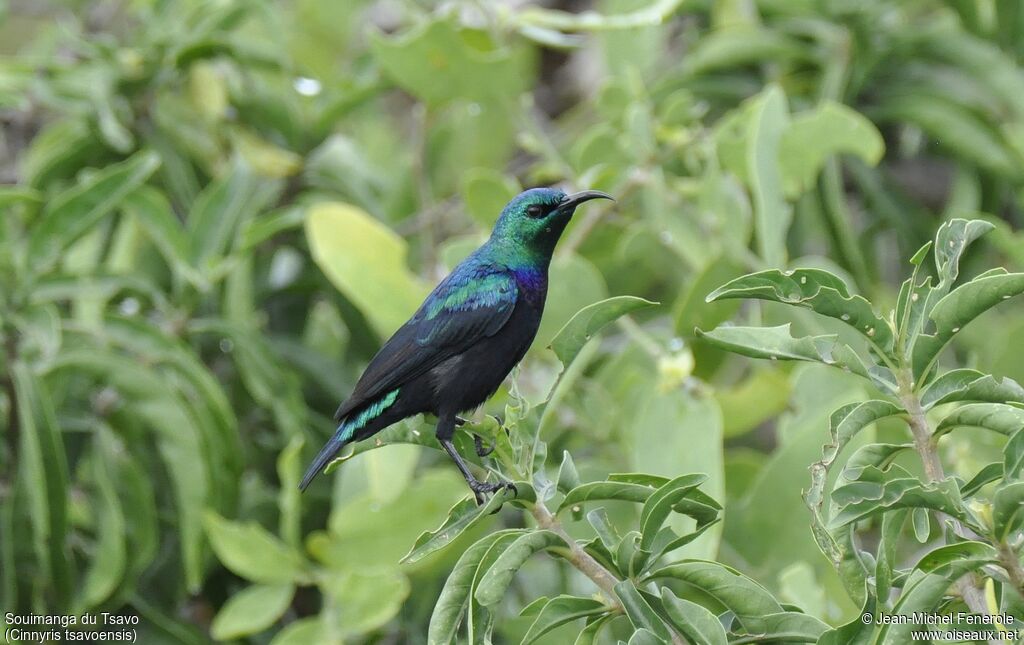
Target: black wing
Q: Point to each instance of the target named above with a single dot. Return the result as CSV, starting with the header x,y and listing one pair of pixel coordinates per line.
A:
x,y
469,305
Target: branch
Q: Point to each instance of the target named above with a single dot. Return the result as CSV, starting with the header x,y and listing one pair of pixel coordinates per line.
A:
x,y
577,557
926,446
1011,562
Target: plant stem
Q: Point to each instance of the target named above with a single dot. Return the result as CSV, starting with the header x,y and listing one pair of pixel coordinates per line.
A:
x,y
923,441
1011,562
577,557
926,446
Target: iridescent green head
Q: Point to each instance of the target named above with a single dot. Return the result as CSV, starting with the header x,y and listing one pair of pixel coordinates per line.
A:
x,y
534,219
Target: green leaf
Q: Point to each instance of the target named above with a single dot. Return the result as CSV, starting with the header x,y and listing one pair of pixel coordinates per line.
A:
x,y
219,210
651,14
437,62
109,558
695,622
152,210
485,192
865,498
644,636
923,592
951,557
251,552
568,342
814,289
736,46
957,129
959,307
364,602
289,500
44,475
844,424
497,579
363,259
1007,509
639,611
251,610
997,417
921,523
855,632
951,240
680,541
1013,455
738,593
771,388
988,474
814,136
463,516
970,385
658,506
57,152
568,478
776,343
789,627
75,211
561,610
593,491
886,556
451,604
589,634
260,229
768,117
878,455
302,632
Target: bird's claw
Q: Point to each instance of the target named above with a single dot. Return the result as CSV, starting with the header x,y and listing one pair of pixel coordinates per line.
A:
x,y
480,450
480,489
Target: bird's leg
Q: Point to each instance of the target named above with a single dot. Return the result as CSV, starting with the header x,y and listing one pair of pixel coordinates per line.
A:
x,y
478,441
445,430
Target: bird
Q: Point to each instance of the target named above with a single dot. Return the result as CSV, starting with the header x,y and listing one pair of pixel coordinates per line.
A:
x,y
467,336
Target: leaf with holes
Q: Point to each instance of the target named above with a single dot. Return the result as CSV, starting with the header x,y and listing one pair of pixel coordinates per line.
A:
x,y
814,289
959,307
776,343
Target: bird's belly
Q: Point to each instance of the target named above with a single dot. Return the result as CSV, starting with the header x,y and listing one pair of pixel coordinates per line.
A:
x,y
465,381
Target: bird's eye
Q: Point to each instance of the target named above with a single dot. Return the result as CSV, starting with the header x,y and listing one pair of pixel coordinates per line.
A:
x,y
534,211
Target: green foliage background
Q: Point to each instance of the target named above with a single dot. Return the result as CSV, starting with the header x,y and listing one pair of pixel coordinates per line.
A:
x,y
213,213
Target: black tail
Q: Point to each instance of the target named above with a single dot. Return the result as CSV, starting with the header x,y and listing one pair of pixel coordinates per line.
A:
x,y
348,429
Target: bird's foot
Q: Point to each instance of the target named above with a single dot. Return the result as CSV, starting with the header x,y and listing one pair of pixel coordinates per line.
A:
x,y
480,489
478,442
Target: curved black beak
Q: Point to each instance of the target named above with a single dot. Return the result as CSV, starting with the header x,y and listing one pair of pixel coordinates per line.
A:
x,y
570,202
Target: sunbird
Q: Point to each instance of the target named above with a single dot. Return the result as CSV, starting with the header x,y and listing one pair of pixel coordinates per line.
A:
x,y
466,337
